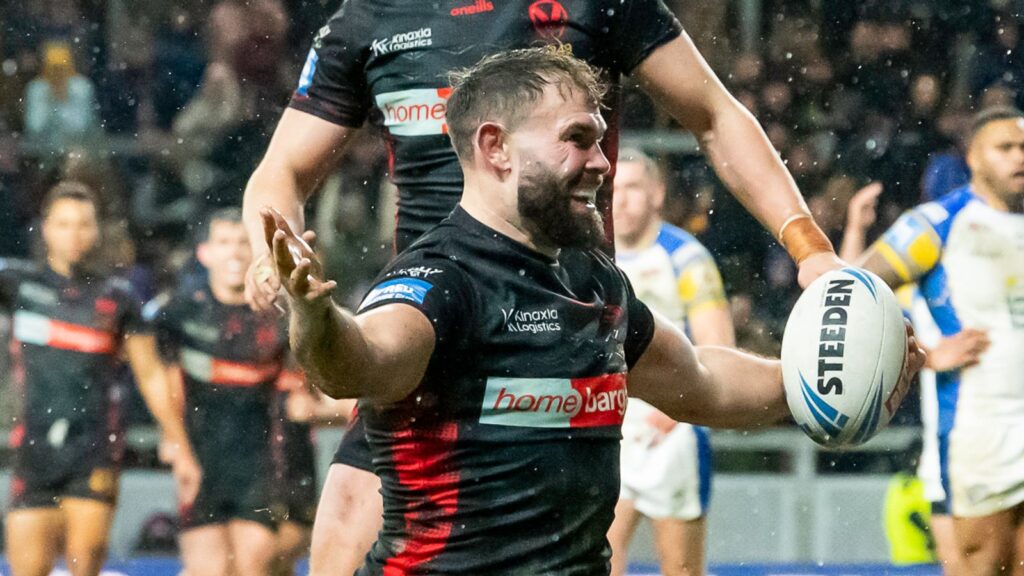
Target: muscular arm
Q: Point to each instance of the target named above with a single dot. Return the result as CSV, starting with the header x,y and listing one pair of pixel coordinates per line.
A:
x,y
381,355
707,385
678,78
158,387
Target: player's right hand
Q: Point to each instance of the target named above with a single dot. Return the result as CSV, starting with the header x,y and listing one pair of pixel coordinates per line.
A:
x,y
958,351
261,284
188,476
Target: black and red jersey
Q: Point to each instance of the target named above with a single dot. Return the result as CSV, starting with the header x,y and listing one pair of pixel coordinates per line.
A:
x,y
67,337
505,458
387,60
230,358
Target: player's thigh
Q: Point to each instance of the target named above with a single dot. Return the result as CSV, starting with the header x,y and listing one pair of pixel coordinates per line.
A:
x,y
985,543
621,533
32,540
253,547
348,519
205,550
680,545
88,531
945,544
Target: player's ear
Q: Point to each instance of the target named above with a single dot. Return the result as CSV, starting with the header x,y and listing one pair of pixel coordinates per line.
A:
x,y
658,197
203,253
491,143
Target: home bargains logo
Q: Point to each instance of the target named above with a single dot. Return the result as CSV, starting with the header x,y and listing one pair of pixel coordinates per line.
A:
x,y
416,112
555,402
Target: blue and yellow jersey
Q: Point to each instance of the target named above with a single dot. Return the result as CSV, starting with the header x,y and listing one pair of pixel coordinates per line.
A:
x,y
675,275
968,259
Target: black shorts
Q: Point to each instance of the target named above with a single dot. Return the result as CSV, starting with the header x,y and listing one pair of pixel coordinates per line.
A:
x,y
228,495
30,491
295,492
354,449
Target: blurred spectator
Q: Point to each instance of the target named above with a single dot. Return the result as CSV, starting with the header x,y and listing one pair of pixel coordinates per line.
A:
x,y
60,104
997,60
178,64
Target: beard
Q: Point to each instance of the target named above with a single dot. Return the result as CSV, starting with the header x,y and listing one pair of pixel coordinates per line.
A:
x,y
545,208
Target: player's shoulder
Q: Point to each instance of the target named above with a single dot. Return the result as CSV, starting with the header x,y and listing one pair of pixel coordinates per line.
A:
x,y
681,246
941,212
19,267
350,15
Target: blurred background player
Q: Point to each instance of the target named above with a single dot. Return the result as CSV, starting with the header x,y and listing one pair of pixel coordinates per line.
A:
x,y
72,321
666,466
966,250
945,354
389,65
229,359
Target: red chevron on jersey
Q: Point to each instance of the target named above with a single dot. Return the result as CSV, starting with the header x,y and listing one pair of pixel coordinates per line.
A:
x,y
33,328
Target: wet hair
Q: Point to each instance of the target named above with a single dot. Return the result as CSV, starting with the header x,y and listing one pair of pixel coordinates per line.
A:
x,y
69,190
506,86
651,168
989,115
230,214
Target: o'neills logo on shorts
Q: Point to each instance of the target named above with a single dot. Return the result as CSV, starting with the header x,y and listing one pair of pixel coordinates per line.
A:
x,y
555,402
416,112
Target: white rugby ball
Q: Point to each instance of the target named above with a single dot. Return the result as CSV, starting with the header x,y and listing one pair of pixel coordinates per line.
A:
x,y
842,354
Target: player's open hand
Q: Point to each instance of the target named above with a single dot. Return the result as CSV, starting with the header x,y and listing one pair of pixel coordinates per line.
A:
x,y
861,212
296,264
961,350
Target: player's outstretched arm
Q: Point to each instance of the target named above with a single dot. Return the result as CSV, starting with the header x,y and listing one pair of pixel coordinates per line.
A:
x,y
156,385
678,78
302,152
707,385
381,355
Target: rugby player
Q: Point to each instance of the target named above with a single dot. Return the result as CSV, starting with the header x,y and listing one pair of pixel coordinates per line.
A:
x,y
388,64
666,466
966,252
229,359
72,321
490,358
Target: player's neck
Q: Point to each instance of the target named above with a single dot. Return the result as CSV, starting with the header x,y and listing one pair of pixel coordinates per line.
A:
x,y
1013,204
646,237
227,295
495,217
62,267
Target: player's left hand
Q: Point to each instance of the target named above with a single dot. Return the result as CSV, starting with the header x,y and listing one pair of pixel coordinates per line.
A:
x,y
817,264
295,262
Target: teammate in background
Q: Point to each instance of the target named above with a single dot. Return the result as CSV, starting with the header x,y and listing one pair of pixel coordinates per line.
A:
x,y
966,251
229,359
666,467
507,298
72,321
388,64
951,353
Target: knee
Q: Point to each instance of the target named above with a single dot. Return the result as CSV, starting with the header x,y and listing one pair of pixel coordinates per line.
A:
x,y
86,558
682,568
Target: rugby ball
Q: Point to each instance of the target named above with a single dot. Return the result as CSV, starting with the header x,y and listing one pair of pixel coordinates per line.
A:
x,y
842,355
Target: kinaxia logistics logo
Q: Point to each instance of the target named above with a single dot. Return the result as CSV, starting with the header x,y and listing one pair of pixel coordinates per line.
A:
x,y
532,321
403,41
555,402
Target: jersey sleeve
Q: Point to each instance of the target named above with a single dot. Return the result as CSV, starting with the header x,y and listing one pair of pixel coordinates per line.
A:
x,y
434,287
699,284
132,320
644,26
158,313
913,244
640,326
332,85
11,273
